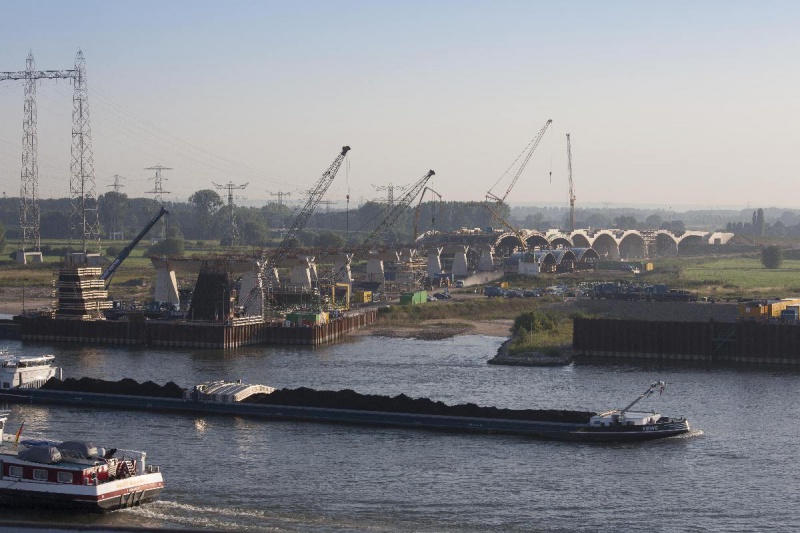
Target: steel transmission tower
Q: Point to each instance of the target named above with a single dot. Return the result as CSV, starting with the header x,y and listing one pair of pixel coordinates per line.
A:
x,y
390,192
84,217
117,185
29,179
281,195
158,193
82,185
233,231
117,232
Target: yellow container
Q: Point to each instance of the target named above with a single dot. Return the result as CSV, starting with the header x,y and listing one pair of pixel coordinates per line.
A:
x,y
362,297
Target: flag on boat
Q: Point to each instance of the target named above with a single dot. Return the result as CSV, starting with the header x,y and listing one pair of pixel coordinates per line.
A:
x,y
19,432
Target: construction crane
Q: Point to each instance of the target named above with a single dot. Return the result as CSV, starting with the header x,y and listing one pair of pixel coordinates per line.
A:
x,y
571,188
109,271
508,225
271,258
394,213
419,204
528,152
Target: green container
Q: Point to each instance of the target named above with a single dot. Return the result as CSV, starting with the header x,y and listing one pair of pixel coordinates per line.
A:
x,y
413,298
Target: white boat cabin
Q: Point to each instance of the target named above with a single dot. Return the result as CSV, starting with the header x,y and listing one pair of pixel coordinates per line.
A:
x,y
27,372
617,418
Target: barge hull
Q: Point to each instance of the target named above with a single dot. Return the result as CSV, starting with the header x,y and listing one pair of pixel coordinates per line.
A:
x,y
541,430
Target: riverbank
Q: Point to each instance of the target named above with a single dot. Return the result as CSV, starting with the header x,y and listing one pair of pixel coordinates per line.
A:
x,y
437,329
442,320
15,300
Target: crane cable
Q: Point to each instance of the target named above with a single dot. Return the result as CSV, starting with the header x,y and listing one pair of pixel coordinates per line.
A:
x,y
551,158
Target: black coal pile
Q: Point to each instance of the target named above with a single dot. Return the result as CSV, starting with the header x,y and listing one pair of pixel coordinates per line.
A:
x,y
124,386
348,399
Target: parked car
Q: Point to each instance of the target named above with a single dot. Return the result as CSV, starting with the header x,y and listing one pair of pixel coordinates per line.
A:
x,y
494,290
513,294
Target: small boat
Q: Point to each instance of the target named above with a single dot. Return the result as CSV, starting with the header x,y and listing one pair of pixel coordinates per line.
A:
x,y
625,425
73,475
25,371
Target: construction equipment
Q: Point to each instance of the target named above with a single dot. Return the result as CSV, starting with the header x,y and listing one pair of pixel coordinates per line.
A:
x,y
394,213
571,188
528,152
271,258
508,225
419,204
109,272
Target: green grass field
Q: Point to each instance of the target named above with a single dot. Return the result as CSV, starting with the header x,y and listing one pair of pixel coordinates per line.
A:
x,y
739,277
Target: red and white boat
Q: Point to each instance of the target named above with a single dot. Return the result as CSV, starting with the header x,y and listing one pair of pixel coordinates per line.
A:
x,y
73,475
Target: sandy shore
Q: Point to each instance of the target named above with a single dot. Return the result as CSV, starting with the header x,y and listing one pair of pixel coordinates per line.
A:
x,y
12,301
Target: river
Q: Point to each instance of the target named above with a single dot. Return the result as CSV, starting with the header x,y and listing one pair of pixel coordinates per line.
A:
x,y
737,471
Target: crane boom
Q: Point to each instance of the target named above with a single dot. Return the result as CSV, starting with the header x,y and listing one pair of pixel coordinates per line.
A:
x,y
571,188
400,206
416,213
106,275
533,144
269,259
508,225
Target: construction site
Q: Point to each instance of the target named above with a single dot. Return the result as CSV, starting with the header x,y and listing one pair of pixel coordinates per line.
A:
x,y
285,294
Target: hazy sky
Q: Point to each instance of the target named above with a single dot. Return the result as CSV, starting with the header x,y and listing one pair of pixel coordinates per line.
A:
x,y
672,103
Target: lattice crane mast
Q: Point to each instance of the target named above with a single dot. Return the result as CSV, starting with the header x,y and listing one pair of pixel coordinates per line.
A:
x,y
571,188
508,225
271,258
395,212
419,204
527,152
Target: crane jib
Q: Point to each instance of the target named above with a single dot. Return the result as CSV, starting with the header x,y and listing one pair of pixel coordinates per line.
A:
x,y
268,260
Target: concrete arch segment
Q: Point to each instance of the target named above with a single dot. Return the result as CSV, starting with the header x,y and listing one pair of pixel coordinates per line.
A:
x,y
606,246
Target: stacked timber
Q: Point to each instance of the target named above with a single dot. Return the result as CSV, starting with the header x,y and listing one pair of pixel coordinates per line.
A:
x,y
80,294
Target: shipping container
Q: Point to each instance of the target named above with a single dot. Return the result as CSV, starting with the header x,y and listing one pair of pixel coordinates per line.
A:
x,y
413,298
362,297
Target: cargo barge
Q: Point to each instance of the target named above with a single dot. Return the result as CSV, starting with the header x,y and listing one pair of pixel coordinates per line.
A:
x,y
612,426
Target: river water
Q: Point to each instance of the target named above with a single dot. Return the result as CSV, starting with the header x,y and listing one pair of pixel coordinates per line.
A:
x,y
737,471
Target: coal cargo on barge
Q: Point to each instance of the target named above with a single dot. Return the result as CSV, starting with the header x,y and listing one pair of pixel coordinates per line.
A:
x,y
349,407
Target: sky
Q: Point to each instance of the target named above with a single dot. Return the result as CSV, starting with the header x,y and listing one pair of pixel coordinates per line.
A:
x,y
678,104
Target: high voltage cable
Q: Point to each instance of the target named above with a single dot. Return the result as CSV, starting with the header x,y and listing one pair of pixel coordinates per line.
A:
x,y
201,151
109,113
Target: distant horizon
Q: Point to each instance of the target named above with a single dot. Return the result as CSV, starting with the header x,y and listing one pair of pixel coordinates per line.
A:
x,y
682,105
